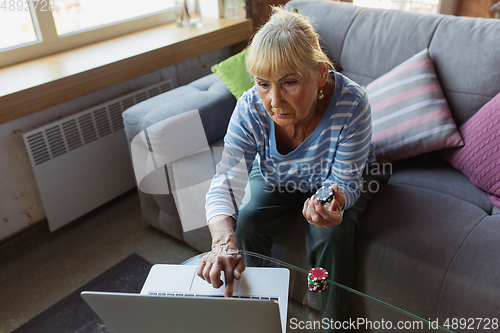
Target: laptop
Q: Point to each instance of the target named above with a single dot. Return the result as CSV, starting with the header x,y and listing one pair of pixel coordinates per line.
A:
x,y
175,299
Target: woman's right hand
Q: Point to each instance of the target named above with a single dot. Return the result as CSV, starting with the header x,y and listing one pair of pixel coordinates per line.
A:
x,y
224,256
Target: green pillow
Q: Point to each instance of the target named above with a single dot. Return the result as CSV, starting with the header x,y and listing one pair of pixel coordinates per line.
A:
x,y
233,72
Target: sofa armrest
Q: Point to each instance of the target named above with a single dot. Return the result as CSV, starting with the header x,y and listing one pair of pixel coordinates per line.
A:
x,y
215,104
209,95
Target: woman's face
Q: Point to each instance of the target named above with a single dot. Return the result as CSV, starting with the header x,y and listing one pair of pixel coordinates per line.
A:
x,y
290,98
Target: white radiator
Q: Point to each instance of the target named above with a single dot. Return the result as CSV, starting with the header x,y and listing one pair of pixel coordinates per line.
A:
x,y
82,161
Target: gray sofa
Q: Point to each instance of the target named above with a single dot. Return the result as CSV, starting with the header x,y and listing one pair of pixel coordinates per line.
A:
x,y
429,241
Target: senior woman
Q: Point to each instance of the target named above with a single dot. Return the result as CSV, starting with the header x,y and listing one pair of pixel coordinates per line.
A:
x,y
300,127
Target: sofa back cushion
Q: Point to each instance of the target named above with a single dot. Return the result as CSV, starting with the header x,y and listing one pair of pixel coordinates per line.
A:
x,y
365,43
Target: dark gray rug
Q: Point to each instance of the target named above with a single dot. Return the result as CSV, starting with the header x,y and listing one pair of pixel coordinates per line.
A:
x,y
72,314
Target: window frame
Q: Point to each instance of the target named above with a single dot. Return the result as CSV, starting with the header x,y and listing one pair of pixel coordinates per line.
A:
x,y
48,42
447,7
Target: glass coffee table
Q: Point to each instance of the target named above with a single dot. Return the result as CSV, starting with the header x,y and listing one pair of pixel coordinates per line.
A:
x,y
307,311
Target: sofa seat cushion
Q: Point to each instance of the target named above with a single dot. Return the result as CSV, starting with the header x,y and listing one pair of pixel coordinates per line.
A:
x,y
432,172
407,239
471,286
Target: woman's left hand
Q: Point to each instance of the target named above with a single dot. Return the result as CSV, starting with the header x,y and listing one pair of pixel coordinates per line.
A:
x,y
325,216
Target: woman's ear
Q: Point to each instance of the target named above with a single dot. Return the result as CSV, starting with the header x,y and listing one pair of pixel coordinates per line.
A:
x,y
323,74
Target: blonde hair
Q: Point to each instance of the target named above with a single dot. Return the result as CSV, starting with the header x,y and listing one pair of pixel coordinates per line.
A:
x,y
287,43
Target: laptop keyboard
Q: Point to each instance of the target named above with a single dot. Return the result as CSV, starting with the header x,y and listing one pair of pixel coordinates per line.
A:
x,y
266,298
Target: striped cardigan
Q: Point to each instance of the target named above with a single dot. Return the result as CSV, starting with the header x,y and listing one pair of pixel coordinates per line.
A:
x,y
335,152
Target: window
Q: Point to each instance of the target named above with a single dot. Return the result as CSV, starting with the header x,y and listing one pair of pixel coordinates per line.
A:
x,y
76,15
420,6
16,28
34,28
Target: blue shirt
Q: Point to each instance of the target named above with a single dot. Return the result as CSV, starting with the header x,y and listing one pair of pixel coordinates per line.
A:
x,y
336,151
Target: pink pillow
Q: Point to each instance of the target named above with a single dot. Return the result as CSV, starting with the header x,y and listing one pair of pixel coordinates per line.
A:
x,y
479,159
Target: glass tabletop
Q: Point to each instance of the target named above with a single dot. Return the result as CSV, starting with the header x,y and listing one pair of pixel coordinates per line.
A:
x,y
338,308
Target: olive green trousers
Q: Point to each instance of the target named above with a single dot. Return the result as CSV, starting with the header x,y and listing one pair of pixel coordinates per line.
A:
x,y
269,211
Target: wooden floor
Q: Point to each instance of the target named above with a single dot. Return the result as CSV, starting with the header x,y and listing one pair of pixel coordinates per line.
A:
x,y
38,275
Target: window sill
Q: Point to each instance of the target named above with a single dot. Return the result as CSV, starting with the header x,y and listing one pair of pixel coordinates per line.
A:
x,y
38,84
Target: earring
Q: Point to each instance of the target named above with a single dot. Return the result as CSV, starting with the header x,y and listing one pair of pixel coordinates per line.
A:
x,y
320,93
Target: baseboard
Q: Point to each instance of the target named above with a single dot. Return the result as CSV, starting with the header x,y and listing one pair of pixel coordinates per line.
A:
x,y
23,238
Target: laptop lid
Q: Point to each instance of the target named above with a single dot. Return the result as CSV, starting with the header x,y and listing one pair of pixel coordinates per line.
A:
x,y
133,313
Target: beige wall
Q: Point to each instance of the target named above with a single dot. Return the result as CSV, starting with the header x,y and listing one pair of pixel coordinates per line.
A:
x,y
260,10
475,8
20,202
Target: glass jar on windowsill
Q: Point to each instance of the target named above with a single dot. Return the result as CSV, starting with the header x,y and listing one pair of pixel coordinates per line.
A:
x,y
187,14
